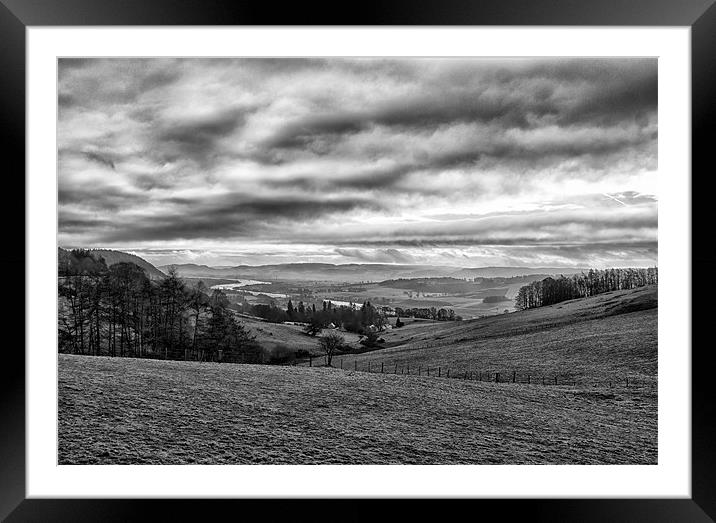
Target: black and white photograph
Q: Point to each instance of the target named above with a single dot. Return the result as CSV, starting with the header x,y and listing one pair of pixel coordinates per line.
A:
x,y
357,261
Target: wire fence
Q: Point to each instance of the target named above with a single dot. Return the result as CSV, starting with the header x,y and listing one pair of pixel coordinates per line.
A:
x,y
491,376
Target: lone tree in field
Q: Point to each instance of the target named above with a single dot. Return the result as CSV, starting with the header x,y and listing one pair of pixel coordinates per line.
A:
x,y
330,343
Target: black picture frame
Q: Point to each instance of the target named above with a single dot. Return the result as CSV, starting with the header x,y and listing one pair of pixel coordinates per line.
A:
x,y
699,15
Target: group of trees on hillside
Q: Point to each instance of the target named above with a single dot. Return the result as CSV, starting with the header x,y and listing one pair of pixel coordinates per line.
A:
x,y
428,313
550,290
353,319
357,318
118,311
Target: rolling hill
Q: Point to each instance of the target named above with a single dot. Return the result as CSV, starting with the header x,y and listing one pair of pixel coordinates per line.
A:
x,y
590,341
112,257
276,335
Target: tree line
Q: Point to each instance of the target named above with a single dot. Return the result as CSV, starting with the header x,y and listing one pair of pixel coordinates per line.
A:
x,y
428,313
351,318
550,290
355,318
119,311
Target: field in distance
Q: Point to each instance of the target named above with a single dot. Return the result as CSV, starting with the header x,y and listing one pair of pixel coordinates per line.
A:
x,y
122,410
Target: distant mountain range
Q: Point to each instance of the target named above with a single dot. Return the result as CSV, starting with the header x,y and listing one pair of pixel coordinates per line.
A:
x,y
350,272
355,272
113,257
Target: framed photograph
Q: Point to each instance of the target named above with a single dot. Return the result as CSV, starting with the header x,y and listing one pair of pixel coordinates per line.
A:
x,y
431,254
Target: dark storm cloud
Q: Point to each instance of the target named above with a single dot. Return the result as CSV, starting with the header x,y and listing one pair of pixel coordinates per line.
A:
x,y
129,79
224,216
202,132
418,113
109,199
616,89
156,79
198,138
305,131
99,158
65,100
378,178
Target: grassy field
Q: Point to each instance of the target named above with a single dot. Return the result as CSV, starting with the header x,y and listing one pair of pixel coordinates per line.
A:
x,y
467,304
595,340
270,335
121,410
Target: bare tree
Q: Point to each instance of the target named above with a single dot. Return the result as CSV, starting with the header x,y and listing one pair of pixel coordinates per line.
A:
x,y
380,322
330,343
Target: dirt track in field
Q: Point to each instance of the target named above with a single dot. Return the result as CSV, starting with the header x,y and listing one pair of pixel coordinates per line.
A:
x,y
114,411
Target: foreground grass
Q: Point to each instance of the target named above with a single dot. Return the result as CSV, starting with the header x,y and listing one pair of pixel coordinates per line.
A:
x,y
114,411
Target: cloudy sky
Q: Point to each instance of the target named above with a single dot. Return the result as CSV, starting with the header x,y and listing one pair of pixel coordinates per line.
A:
x,y
465,162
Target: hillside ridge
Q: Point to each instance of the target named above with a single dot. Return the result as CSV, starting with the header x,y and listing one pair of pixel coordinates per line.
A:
x,y
588,340
112,257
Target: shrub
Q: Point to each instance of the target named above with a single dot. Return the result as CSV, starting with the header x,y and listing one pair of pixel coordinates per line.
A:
x,y
371,340
280,354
